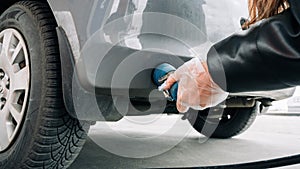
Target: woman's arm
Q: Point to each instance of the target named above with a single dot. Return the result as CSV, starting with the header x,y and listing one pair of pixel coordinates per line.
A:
x,y
266,57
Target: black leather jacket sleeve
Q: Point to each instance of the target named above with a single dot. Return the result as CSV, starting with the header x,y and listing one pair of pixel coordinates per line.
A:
x,y
265,57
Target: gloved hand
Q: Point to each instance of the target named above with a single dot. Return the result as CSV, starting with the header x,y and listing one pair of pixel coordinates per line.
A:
x,y
196,88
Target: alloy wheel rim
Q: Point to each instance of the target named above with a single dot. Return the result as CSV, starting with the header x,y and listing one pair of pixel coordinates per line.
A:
x,y
14,85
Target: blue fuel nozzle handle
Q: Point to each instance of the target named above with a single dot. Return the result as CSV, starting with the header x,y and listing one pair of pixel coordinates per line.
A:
x,y
160,75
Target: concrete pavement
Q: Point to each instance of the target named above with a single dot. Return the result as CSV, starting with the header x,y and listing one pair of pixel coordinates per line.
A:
x,y
135,137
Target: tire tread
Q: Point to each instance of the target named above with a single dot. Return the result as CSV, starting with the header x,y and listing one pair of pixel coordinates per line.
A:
x,y
60,137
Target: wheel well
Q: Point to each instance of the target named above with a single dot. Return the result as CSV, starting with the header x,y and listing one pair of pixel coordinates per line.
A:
x,y
7,3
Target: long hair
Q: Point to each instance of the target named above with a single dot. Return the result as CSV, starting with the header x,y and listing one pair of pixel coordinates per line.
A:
x,y
261,9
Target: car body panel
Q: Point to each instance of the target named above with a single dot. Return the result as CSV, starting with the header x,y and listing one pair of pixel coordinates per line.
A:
x,y
117,43
165,27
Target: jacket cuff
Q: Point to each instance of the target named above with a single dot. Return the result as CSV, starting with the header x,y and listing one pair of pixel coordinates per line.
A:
x,y
216,69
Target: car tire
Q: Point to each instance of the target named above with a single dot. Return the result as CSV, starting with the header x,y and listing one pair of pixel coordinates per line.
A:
x,y
40,133
232,122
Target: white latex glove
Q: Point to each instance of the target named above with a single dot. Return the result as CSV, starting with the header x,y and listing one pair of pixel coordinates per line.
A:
x,y
196,88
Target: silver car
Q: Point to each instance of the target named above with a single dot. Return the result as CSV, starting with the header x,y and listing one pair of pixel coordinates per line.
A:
x,y
65,64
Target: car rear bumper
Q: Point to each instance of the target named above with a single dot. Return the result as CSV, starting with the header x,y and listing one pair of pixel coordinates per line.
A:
x,y
274,94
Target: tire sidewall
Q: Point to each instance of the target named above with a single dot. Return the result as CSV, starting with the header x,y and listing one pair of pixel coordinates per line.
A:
x,y
241,120
20,19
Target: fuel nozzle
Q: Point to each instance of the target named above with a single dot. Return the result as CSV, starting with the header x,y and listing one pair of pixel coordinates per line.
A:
x,y
160,75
